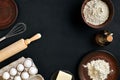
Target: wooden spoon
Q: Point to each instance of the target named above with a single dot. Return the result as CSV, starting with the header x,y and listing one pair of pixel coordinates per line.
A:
x,y
111,13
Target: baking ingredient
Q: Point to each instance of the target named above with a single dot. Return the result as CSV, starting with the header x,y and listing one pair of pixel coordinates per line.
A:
x,y
28,63
18,71
63,76
25,75
98,69
17,78
33,70
96,12
20,67
13,71
17,47
6,75
104,38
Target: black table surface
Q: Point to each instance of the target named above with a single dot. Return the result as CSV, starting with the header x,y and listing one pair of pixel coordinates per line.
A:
x,y
66,39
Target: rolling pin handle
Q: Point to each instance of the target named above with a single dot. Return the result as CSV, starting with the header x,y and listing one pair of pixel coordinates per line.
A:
x,y
35,37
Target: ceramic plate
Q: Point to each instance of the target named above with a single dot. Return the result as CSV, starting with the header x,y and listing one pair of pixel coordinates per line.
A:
x,y
103,55
8,13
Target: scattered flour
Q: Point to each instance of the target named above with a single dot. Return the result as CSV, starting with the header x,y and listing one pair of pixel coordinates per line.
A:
x,y
98,69
96,12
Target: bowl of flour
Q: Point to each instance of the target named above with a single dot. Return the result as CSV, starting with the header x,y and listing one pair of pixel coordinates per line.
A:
x,y
99,65
97,13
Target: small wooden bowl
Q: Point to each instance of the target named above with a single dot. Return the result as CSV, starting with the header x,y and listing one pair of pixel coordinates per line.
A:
x,y
8,13
103,55
111,14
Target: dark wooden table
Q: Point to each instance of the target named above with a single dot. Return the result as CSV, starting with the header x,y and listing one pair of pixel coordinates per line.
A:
x,y
65,37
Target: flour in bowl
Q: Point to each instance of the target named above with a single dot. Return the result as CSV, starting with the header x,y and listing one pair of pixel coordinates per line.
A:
x,y
98,69
96,12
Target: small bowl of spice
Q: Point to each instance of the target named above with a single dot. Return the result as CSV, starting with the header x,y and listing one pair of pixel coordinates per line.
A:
x,y
97,13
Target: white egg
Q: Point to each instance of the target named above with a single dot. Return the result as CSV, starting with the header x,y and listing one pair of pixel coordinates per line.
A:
x,y
25,75
13,71
6,75
17,78
33,70
28,63
20,67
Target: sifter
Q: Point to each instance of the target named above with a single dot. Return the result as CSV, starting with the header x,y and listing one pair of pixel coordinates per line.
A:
x,y
16,30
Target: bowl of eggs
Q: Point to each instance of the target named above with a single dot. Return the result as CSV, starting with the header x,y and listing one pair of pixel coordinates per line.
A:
x,y
97,13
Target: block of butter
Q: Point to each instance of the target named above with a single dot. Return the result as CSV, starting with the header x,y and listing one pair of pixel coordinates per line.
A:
x,y
63,76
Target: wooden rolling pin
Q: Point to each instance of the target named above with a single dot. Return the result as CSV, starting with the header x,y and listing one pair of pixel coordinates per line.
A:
x,y
16,47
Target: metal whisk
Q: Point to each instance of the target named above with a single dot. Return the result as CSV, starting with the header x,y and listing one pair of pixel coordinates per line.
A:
x,y
16,30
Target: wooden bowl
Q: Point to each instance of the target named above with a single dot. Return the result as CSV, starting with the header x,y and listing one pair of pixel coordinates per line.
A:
x,y
8,13
111,14
103,55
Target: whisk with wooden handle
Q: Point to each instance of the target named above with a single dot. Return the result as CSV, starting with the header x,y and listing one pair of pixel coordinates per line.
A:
x,y
16,30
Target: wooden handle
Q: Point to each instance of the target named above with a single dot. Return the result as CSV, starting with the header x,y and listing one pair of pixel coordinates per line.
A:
x,y
17,47
35,37
12,49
